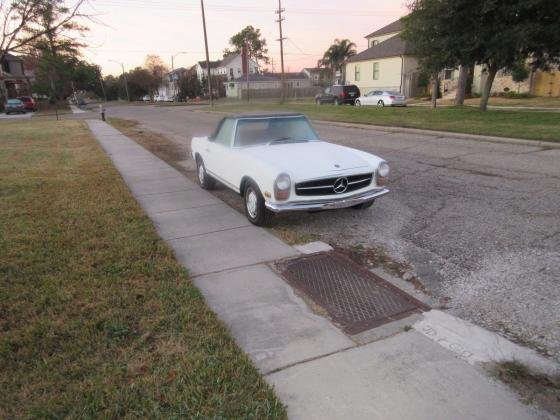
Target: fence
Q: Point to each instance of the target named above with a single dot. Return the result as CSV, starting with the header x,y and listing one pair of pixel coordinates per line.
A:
x,y
291,93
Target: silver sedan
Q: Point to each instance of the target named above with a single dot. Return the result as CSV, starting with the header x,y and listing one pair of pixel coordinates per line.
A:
x,y
381,98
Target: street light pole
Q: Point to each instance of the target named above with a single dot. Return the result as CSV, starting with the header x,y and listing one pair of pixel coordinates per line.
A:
x,y
124,77
207,56
173,58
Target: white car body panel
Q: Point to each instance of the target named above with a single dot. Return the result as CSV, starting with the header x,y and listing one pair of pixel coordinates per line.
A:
x,y
302,161
373,98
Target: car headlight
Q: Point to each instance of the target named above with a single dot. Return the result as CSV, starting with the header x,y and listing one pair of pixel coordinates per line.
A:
x,y
382,174
383,169
282,187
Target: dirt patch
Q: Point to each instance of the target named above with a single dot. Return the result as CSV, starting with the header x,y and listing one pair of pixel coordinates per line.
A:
x,y
540,390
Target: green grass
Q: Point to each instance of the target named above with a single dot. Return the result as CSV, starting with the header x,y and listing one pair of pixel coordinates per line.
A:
x,y
97,318
517,124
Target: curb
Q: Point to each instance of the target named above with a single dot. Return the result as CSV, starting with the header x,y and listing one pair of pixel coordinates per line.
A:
x,y
481,138
393,129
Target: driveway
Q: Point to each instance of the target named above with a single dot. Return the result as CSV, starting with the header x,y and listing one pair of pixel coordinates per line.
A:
x,y
476,223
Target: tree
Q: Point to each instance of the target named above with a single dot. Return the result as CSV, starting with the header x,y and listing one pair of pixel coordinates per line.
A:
x,y
20,21
141,82
156,66
336,55
427,28
512,31
256,44
497,34
189,86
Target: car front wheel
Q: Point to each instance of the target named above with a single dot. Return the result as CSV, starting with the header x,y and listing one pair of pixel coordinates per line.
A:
x,y
358,103
380,104
336,102
255,208
205,180
318,101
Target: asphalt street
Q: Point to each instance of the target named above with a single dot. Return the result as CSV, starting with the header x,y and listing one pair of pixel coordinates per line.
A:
x,y
477,222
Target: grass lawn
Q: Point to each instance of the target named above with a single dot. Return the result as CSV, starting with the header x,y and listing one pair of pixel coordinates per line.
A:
x,y
519,124
97,318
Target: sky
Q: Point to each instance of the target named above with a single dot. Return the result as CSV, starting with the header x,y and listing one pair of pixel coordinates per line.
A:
x,y
128,30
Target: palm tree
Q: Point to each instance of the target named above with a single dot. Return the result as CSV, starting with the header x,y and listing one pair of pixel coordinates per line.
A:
x,y
336,55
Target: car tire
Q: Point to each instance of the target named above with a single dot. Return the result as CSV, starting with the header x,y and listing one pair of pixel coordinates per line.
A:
x,y
255,208
357,103
204,180
318,102
380,104
363,206
336,102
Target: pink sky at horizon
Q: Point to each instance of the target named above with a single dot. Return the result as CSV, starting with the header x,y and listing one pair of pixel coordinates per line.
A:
x,y
131,29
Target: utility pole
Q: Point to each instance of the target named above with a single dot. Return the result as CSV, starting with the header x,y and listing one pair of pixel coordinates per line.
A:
x,y
248,69
207,56
281,39
124,77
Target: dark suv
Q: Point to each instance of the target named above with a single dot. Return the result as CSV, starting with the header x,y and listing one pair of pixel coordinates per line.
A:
x,y
338,95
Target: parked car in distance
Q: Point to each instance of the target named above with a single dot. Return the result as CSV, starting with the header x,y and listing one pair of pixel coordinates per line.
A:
x,y
382,98
338,95
29,103
146,98
277,163
14,106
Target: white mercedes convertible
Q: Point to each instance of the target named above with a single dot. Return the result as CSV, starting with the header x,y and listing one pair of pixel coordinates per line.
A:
x,y
277,163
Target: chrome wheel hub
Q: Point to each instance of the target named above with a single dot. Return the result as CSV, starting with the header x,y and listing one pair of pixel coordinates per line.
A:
x,y
251,203
201,173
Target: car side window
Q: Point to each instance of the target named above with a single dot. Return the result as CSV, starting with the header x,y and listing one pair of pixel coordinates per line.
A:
x,y
225,132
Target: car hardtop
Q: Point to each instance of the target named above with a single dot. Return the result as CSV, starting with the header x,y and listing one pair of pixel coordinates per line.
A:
x,y
260,115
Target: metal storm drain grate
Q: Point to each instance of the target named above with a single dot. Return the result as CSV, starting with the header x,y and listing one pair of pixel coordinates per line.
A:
x,y
355,298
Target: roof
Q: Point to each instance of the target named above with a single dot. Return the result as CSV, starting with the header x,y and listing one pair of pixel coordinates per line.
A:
x,y
314,69
213,64
392,27
227,59
391,47
11,57
257,77
266,115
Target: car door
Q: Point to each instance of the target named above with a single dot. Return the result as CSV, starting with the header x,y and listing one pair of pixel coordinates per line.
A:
x,y
375,97
326,96
218,150
366,99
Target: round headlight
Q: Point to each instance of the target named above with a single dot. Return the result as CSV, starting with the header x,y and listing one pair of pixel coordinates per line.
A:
x,y
283,182
383,169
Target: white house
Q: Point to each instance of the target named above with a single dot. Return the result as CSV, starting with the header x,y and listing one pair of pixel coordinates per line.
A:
x,y
230,67
387,64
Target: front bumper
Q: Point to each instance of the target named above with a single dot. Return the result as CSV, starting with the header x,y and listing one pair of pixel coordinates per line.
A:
x,y
327,204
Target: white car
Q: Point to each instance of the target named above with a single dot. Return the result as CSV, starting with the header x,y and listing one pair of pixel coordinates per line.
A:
x,y
278,163
381,98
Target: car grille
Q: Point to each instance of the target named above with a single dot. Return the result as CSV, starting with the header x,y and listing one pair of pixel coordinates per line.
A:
x,y
326,186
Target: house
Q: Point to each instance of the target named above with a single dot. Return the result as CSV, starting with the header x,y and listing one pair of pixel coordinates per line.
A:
x,y
318,76
269,85
387,64
13,81
230,67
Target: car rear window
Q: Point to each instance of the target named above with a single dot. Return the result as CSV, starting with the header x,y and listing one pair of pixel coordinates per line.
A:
x,y
14,101
351,88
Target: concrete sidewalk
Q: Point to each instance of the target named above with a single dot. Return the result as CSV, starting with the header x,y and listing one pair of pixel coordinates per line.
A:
x,y
318,371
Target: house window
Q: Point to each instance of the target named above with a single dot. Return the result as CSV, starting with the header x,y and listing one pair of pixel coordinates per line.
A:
x,y
357,73
448,74
376,71
374,42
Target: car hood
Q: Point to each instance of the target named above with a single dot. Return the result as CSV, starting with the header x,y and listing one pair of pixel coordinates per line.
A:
x,y
308,160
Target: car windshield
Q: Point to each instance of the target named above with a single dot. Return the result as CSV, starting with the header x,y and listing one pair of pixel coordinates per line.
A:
x,y
272,130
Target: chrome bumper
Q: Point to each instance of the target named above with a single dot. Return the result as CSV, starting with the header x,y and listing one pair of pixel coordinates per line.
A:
x,y
327,204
